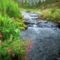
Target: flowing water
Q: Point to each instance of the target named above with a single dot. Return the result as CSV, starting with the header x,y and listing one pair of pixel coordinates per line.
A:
x,y
45,37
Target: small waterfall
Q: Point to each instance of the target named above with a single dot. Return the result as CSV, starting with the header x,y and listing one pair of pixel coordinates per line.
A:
x,y
34,26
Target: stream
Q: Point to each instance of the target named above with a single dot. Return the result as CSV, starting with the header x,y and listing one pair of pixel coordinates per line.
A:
x,y
45,37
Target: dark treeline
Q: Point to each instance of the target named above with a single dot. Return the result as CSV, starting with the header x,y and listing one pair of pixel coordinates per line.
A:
x,y
35,3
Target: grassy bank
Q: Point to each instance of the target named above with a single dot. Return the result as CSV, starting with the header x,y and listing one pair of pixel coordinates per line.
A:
x,y
51,14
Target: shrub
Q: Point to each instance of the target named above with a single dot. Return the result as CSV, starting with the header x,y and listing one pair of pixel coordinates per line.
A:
x,y
8,28
10,49
11,23
10,44
11,9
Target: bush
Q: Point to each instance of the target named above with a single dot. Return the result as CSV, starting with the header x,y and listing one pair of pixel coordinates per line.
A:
x,y
11,9
8,28
10,49
10,44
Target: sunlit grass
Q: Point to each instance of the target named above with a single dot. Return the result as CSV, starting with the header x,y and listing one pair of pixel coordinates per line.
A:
x,y
51,14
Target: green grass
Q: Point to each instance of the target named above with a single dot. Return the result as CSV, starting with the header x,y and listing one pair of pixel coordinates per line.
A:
x,y
11,24
51,14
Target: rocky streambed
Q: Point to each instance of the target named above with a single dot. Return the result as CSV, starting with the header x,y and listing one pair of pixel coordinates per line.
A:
x,y
45,37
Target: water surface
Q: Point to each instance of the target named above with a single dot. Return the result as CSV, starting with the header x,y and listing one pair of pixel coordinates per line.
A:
x,y
45,37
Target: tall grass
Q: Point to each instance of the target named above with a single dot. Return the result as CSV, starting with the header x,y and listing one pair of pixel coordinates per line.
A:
x,y
52,14
10,8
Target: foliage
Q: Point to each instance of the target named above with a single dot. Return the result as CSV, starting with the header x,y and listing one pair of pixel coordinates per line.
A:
x,y
10,44
11,23
10,8
20,23
8,28
52,14
9,49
